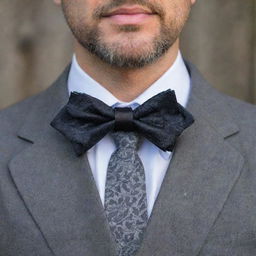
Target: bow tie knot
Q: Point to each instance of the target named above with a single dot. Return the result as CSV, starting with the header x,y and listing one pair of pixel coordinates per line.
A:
x,y
124,119
85,120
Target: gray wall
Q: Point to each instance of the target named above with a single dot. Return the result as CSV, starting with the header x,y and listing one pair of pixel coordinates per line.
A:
x,y
220,39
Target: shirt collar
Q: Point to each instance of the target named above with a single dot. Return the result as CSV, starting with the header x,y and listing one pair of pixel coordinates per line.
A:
x,y
175,78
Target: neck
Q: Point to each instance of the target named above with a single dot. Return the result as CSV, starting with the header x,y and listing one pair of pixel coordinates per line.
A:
x,y
117,80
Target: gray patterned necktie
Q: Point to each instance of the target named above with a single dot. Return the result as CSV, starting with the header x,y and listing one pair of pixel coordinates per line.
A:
x,y
125,194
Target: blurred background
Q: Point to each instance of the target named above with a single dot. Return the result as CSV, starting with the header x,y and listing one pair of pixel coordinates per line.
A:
x,y
36,45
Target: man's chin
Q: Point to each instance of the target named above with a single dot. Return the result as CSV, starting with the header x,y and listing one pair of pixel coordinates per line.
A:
x,y
128,52
133,53
129,61
132,49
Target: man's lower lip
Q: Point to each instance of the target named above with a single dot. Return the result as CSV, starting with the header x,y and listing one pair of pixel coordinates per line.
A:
x,y
123,19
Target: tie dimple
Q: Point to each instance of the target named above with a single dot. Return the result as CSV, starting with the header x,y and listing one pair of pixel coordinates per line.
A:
x,y
125,194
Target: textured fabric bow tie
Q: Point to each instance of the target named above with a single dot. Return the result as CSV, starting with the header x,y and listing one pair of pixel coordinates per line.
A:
x,y
85,120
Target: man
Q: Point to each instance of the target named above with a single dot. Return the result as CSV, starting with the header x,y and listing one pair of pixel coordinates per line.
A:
x,y
197,196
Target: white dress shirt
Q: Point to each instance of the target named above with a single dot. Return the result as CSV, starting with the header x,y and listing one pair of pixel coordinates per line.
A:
x,y
155,160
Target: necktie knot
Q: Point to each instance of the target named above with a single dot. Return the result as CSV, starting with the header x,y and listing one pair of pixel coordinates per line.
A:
x,y
126,140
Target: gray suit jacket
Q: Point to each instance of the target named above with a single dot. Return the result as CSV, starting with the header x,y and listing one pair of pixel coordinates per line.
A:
x,y
49,204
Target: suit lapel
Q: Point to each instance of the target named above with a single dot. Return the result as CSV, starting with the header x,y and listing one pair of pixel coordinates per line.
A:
x,y
58,187
202,172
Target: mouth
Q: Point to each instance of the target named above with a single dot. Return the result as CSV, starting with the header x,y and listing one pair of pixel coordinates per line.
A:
x,y
129,15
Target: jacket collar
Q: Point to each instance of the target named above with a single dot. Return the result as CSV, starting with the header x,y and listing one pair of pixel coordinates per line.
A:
x,y
46,106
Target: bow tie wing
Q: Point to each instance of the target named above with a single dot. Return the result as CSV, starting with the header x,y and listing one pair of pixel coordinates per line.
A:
x,y
161,120
84,121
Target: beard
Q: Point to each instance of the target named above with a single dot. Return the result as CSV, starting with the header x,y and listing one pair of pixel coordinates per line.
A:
x,y
129,53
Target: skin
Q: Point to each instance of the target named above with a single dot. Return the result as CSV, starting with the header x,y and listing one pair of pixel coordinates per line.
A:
x,y
155,40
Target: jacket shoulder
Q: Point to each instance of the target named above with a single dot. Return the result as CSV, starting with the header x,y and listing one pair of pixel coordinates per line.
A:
x,y
14,116
11,118
243,112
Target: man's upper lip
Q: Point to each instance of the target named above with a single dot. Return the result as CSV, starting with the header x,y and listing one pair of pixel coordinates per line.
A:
x,y
128,10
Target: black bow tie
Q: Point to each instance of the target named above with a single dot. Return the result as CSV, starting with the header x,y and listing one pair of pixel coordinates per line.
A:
x,y
85,120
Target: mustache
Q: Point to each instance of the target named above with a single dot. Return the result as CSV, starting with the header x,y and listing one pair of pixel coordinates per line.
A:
x,y
103,10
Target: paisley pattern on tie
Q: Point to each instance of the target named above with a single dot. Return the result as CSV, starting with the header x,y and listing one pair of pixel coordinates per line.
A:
x,y
125,194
